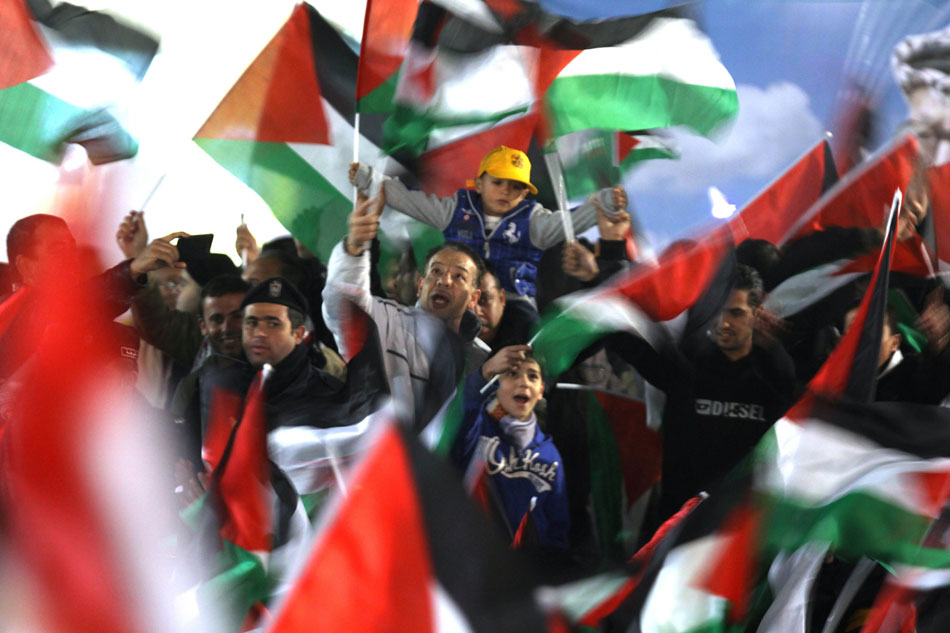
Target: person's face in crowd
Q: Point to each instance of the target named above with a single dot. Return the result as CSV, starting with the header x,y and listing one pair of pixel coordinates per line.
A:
x,y
268,336
170,282
519,389
735,326
490,307
53,256
890,341
448,288
221,322
499,195
189,296
262,268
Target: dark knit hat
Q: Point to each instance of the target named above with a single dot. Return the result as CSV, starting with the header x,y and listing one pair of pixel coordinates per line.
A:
x,y
276,290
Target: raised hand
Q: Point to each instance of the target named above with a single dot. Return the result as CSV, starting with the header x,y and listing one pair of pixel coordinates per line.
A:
x,y
506,358
158,254
246,245
578,262
363,224
132,236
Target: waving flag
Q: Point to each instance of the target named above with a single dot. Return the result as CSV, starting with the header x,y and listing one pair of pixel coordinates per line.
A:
x,y
387,28
664,73
286,129
41,115
407,551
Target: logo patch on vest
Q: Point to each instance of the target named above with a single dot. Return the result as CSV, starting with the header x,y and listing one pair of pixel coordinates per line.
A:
x,y
512,234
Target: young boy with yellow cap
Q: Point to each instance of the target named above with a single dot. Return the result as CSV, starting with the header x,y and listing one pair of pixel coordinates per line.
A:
x,y
494,217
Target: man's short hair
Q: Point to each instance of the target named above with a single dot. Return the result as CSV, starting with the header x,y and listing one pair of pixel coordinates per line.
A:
x,y
750,281
490,271
761,255
21,239
465,250
224,285
296,317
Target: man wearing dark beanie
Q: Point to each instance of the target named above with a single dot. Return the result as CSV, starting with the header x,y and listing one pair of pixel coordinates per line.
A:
x,y
298,391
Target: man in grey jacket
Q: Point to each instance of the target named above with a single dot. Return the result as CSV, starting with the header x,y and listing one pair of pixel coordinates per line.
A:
x,y
409,336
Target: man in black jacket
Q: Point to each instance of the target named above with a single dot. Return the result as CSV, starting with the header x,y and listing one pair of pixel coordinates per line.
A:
x,y
723,394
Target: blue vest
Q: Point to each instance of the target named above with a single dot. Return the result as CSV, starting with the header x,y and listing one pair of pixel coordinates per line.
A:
x,y
509,246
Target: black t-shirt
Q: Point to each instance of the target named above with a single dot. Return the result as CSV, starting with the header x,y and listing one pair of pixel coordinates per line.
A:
x,y
719,412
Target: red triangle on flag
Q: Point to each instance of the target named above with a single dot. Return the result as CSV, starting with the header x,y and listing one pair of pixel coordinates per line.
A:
x,y
22,53
731,573
387,27
244,481
938,181
278,98
370,569
443,168
863,197
773,212
934,489
223,413
681,276
640,447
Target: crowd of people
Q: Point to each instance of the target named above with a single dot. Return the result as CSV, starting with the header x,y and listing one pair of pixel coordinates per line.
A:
x,y
459,326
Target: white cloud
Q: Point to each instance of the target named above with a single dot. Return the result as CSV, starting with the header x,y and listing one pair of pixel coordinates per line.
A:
x,y
774,126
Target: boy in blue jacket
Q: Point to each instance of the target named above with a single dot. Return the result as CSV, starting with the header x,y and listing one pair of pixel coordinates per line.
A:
x,y
520,459
494,217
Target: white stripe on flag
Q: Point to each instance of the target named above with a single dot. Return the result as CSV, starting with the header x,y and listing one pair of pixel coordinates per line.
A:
x,y
818,463
674,603
803,290
673,48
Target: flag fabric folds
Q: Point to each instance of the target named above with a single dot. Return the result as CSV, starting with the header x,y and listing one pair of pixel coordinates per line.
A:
x,y
405,550
42,105
295,157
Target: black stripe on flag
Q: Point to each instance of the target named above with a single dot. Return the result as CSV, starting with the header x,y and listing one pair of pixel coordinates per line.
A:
x,y
489,583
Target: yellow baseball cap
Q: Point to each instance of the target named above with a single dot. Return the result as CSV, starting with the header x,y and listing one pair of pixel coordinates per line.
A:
x,y
505,162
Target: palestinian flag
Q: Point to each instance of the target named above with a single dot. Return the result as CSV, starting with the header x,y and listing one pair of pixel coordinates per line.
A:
x,y
442,86
286,129
636,302
625,464
23,54
766,506
71,517
387,28
43,103
664,72
786,199
596,159
868,478
249,526
938,186
405,550
862,197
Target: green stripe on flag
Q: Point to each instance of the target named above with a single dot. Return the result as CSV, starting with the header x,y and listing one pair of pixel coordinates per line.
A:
x,y
380,100
242,582
619,103
36,122
299,196
562,335
606,478
857,524
407,129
